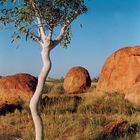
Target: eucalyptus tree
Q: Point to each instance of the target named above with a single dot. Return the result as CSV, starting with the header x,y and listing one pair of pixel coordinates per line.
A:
x,y
39,20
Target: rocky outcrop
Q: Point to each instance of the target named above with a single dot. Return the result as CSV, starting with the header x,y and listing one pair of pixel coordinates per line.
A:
x,y
121,72
115,128
133,94
121,69
15,89
77,80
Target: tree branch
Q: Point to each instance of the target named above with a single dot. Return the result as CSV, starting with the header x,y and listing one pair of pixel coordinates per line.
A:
x,y
37,39
38,16
51,29
64,28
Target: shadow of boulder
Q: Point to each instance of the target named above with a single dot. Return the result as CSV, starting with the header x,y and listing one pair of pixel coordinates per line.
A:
x,y
9,108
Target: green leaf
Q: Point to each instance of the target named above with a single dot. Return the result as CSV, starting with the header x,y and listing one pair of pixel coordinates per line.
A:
x,y
21,15
22,30
67,38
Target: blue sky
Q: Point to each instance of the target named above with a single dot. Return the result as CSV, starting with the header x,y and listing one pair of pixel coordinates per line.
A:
x,y
108,26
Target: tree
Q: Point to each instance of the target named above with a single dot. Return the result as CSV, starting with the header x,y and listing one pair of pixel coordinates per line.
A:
x,y
37,20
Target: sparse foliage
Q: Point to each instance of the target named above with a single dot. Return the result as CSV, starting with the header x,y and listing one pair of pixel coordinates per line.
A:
x,y
22,15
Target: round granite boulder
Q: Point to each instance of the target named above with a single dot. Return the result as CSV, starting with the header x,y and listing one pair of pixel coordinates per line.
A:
x,y
77,80
121,70
15,89
121,73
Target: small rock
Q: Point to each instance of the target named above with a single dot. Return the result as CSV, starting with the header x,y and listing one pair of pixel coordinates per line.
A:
x,y
115,128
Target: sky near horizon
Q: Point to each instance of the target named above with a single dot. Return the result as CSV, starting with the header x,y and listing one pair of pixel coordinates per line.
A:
x,y
107,26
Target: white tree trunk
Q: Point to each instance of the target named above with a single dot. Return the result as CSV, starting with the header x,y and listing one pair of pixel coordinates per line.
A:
x,y
34,102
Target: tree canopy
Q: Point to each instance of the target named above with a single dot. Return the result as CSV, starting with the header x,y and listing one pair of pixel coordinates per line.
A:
x,y
32,18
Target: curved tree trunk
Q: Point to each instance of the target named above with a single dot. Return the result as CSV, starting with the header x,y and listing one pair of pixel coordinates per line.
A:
x,y
34,102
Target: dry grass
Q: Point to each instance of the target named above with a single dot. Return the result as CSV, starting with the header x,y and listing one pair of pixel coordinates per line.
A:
x,y
72,117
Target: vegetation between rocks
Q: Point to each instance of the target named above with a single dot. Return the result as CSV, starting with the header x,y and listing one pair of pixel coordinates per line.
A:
x,y
73,117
